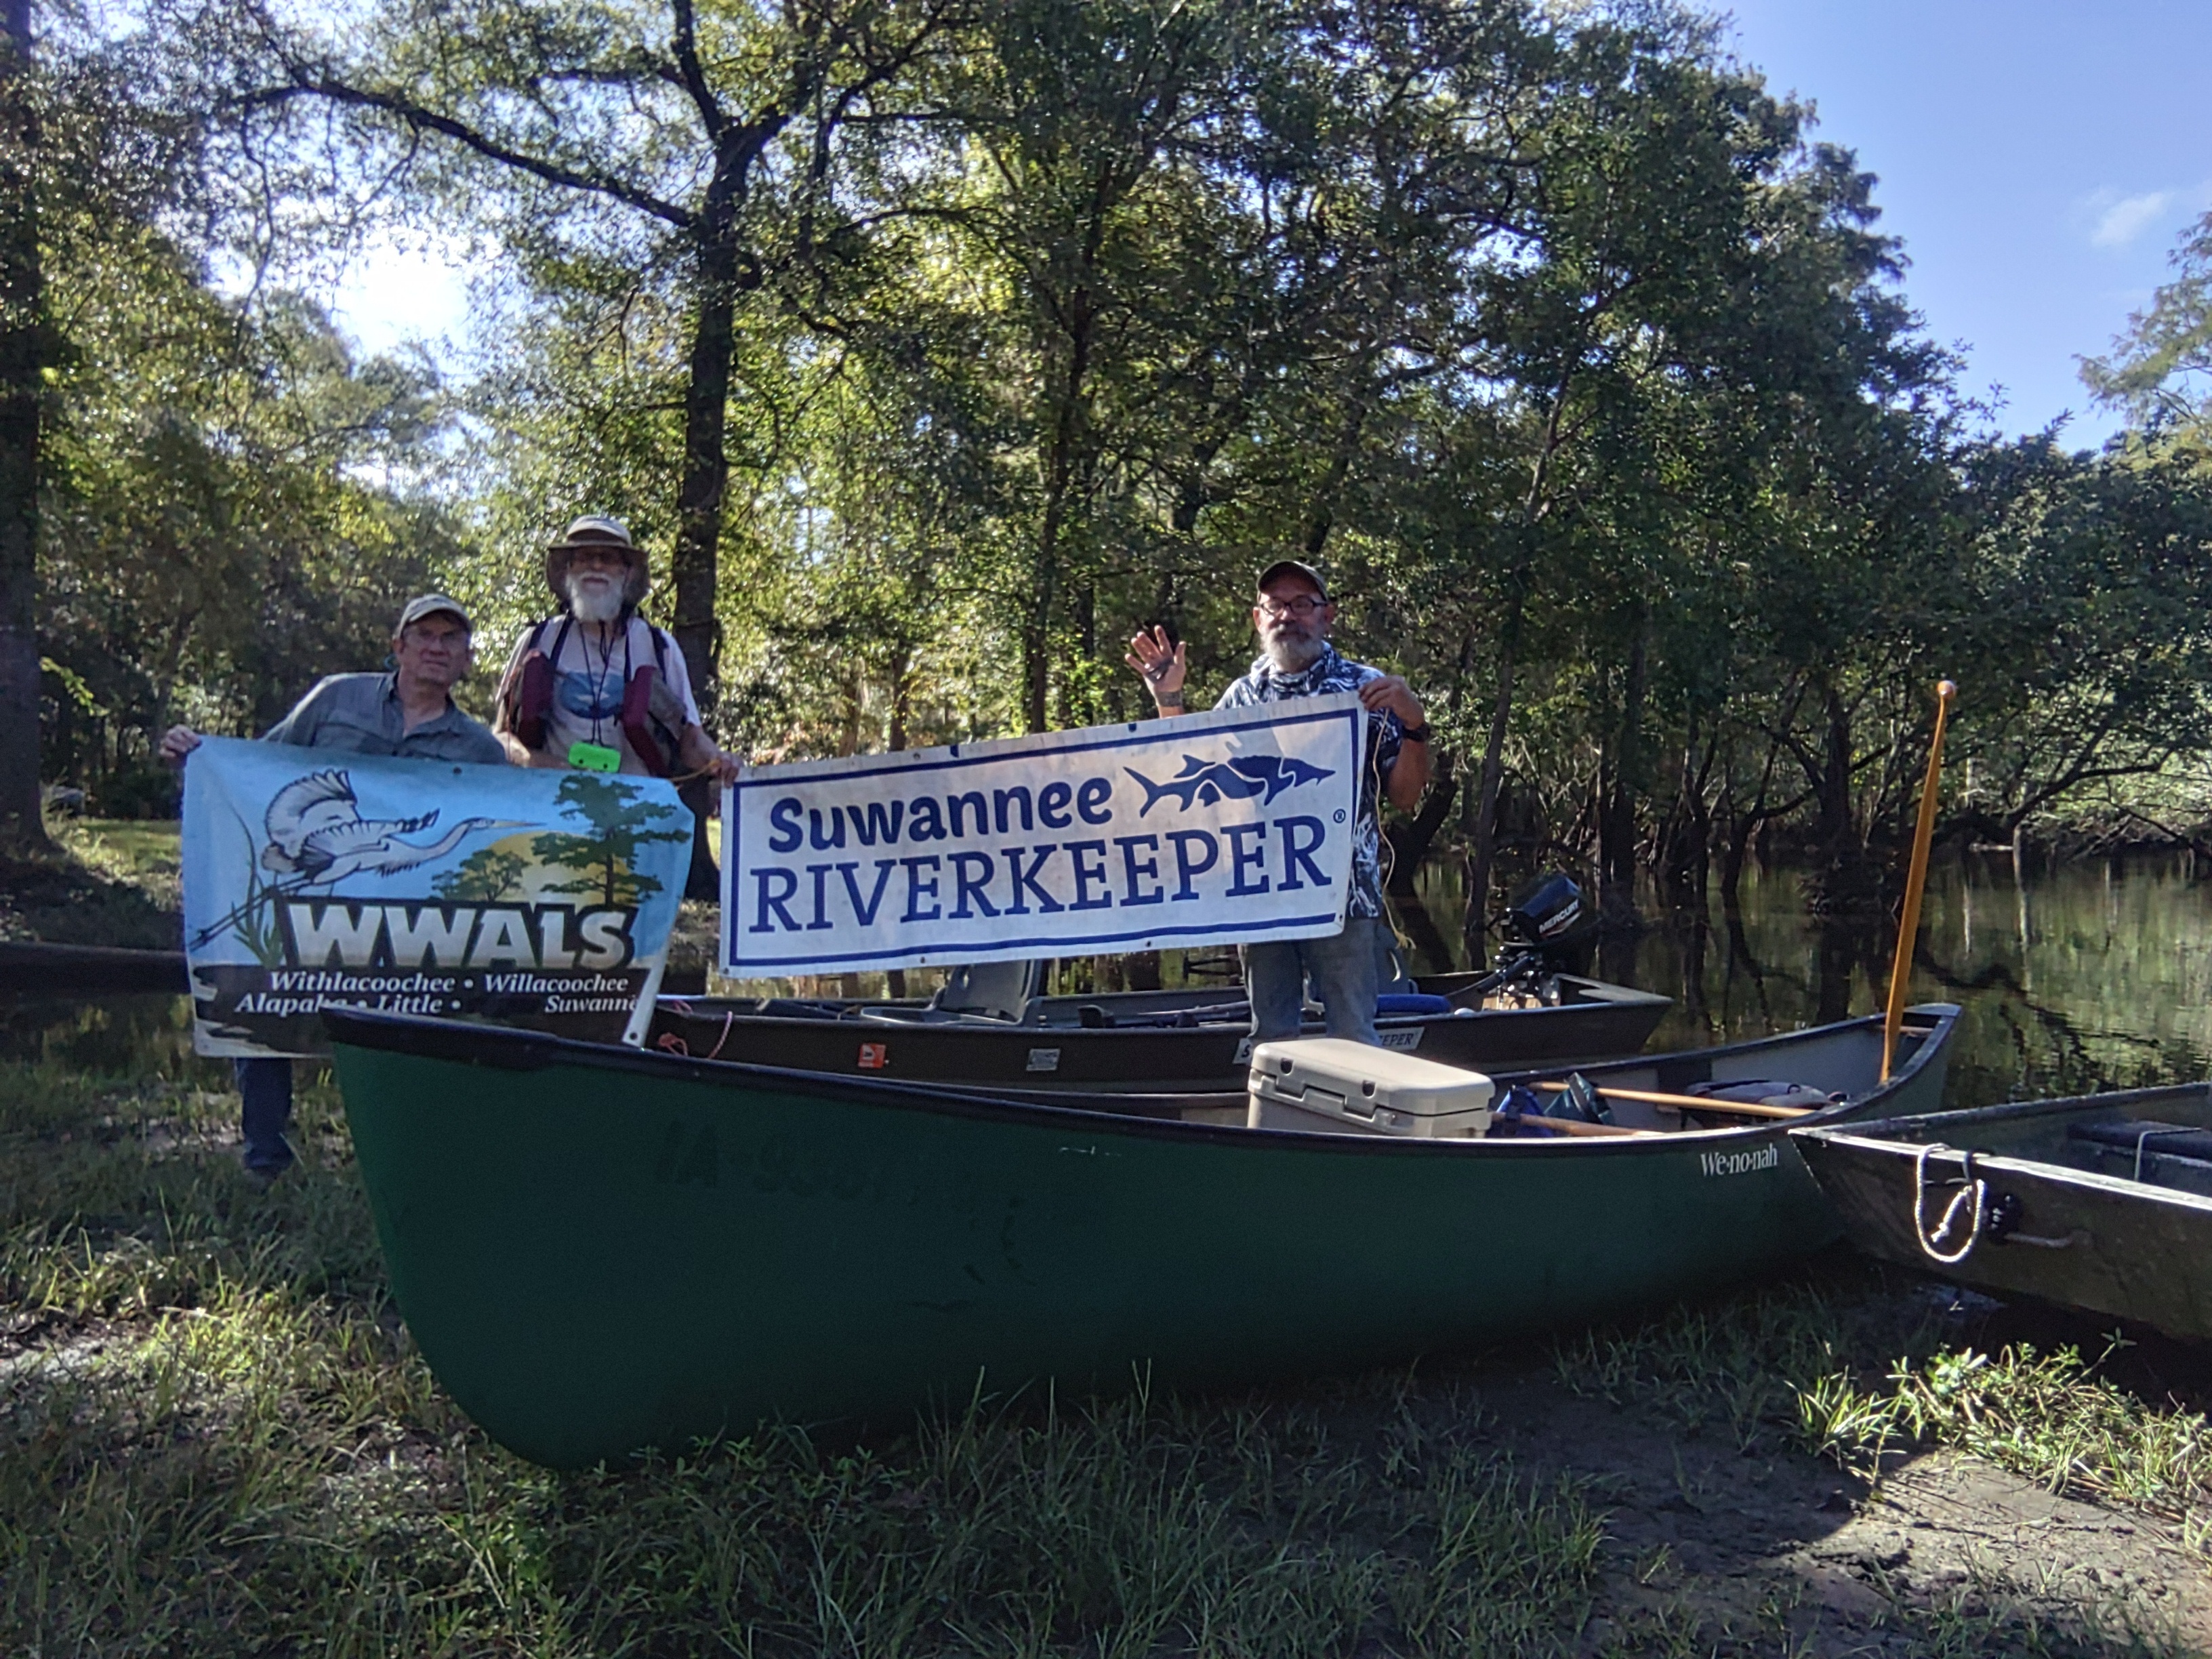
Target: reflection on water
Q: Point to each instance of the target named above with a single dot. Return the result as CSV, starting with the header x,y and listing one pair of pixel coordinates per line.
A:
x,y
2087,976
2083,977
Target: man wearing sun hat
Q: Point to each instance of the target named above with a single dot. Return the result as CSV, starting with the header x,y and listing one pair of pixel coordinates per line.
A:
x,y
407,711
596,687
1293,614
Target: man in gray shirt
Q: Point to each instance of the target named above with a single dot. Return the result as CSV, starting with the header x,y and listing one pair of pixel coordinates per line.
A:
x,y
408,712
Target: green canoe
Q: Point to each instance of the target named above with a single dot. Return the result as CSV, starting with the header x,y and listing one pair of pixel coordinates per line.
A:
x,y
600,1249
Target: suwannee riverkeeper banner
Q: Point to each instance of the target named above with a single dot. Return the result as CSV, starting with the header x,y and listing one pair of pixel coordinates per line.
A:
x,y
316,878
1233,826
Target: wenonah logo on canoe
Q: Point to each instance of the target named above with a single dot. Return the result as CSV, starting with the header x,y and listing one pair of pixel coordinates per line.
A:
x,y
417,887
1768,1156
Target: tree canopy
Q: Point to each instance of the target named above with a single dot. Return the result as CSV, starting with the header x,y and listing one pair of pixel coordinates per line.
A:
x,y
933,347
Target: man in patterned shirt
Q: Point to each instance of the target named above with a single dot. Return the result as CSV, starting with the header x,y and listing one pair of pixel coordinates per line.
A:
x,y
1294,617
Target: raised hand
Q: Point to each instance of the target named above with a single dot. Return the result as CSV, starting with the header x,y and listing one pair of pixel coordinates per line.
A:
x,y
1161,663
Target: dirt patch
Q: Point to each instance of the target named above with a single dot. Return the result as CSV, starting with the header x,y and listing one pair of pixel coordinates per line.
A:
x,y
1770,1550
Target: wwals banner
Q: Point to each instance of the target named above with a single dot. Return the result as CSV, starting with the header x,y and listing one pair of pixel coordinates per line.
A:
x,y
1231,826
316,880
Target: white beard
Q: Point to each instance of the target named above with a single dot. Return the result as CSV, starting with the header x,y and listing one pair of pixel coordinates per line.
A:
x,y
594,603
1288,656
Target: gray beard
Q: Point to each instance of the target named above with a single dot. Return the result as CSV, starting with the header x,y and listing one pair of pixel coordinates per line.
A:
x,y
584,606
1293,656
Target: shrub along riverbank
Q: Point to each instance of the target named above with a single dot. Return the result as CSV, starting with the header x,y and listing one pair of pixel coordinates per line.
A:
x,y
218,1438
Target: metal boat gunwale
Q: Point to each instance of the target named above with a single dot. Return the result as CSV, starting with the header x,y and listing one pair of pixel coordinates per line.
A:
x,y
1890,1135
911,1012
2005,1163
2011,1111
511,1049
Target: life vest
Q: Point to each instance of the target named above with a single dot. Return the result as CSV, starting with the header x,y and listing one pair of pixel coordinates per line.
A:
x,y
650,717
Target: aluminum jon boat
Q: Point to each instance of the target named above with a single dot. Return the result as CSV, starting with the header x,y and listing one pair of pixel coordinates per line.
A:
x,y
1136,1041
600,1249
2101,1203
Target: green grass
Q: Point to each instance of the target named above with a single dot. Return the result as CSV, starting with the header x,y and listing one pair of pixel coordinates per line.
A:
x,y
217,1438
220,1440
1799,1364
102,882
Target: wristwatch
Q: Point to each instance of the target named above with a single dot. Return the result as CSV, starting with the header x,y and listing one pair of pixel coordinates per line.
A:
x,y
1415,733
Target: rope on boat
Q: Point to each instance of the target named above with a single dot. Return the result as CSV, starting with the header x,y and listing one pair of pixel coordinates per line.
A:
x,y
672,1044
1998,1218
1972,1188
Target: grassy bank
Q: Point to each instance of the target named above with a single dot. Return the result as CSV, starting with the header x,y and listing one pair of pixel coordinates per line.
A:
x,y
101,882
218,1439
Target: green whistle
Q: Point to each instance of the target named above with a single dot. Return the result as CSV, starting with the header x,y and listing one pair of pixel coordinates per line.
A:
x,y
594,758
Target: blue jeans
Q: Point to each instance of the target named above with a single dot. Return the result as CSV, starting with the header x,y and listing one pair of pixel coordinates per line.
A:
x,y
266,1086
1343,972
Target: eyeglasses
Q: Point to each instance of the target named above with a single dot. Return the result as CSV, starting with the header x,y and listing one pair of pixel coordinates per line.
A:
x,y
1303,606
603,554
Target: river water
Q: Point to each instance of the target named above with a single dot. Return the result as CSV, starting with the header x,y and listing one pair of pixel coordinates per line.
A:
x,y
2079,978
2075,978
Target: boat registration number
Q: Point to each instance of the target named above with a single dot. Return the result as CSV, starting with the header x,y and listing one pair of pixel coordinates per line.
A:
x,y
1044,1060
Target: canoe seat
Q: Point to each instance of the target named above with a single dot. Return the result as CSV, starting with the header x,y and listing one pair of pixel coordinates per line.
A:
x,y
992,990
1764,1092
2167,1139
2165,1154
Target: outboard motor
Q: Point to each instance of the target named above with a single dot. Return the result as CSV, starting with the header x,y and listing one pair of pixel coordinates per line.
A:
x,y
1548,914
1549,930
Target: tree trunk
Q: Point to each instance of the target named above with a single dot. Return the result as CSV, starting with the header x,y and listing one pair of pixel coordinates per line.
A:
x,y
22,359
1624,786
1843,882
701,495
1068,428
1481,854
1409,841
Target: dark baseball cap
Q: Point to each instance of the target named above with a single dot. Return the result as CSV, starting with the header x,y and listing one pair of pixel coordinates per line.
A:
x,y
1292,567
431,605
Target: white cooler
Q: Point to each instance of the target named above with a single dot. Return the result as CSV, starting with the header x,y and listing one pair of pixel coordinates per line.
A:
x,y
1328,1084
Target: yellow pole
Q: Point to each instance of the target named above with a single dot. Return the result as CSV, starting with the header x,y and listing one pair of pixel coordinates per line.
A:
x,y
1916,879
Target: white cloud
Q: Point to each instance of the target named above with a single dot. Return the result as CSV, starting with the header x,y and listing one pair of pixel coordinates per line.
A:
x,y
2126,219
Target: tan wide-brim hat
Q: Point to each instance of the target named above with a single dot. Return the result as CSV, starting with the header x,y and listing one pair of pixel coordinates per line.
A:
x,y
595,531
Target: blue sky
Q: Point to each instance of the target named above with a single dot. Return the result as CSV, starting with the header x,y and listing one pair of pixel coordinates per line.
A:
x,y
2038,157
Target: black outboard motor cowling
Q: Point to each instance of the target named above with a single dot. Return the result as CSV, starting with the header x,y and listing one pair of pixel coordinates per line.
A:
x,y
1551,921
1546,911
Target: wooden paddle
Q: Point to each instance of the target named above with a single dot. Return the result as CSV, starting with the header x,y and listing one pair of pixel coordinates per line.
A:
x,y
1916,879
1692,1103
1575,1126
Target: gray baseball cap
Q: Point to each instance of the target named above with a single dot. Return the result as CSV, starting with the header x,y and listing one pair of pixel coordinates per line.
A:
x,y
1292,567
430,604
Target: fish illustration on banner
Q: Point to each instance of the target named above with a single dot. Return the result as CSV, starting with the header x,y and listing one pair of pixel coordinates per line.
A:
x,y
1231,826
535,897
1201,783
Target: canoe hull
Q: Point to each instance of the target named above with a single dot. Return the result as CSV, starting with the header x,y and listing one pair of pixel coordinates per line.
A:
x,y
2085,1241
598,1250
1602,1021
